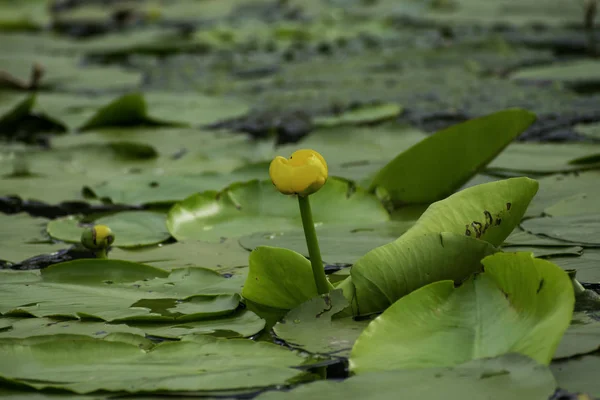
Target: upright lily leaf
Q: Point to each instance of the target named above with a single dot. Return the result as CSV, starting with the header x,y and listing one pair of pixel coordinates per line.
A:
x,y
129,109
13,108
448,159
391,271
256,206
446,242
489,211
519,304
279,278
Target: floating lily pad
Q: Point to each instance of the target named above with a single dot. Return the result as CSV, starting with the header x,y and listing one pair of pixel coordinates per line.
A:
x,y
131,228
241,324
156,189
571,228
546,158
22,237
545,252
587,265
572,73
578,374
156,108
67,73
116,290
60,174
520,237
519,304
366,114
24,16
217,364
508,376
335,336
339,245
222,256
579,204
257,206
582,337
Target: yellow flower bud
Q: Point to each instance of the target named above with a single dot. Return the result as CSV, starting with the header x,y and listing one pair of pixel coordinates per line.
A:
x,y
304,173
97,238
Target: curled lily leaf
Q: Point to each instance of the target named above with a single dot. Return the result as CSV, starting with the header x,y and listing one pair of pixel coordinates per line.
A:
x,y
304,173
98,239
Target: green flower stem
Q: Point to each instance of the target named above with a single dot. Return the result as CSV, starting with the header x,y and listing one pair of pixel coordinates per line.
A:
x,y
101,253
313,245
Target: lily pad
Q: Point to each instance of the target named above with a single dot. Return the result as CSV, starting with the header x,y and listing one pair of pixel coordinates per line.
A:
x,y
570,228
279,278
566,189
520,237
157,189
67,73
257,206
113,290
217,364
222,256
509,376
573,73
131,228
240,324
444,243
546,158
22,237
582,337
366,114
339,245
587,265
546,252
489,211
578,374
448,159
394,270
335,336
519,304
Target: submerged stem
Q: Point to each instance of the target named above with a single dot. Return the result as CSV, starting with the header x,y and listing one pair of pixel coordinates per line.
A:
x,y
313,245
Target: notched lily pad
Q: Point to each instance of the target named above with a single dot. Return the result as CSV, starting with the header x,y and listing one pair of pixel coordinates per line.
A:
x,y
361,115
256,206
312,326
239,324
131,228
113,290
217,364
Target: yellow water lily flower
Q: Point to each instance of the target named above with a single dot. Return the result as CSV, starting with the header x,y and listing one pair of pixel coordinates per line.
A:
x,y
304,173
97,238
